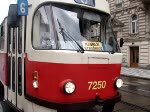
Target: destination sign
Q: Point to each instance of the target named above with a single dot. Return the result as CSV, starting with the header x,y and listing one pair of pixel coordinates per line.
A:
x,y
94,46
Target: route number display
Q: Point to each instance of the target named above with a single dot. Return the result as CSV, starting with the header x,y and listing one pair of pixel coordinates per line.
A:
x,y
22,7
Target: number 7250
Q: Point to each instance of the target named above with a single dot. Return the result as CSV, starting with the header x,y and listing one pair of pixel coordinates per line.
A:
x,y
97,85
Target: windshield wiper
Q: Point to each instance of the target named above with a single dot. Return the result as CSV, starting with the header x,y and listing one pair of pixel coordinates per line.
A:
x,y
61,31
70,38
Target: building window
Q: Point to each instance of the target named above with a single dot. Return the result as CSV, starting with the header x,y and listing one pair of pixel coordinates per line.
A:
x,y
119,3
134,24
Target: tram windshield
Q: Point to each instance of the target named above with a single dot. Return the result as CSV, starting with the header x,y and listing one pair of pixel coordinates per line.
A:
x,y
64,27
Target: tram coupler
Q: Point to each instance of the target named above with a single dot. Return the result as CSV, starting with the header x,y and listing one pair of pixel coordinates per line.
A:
x,y
112,101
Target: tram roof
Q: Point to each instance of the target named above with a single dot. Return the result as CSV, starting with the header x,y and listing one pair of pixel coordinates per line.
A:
x,y
3,21
101,5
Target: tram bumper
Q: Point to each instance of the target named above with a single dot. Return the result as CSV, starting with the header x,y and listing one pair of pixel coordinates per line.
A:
x,y
111,101
88,105
76,106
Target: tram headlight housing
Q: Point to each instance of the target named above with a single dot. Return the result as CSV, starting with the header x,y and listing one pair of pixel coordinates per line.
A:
x,y
119,83
35,80
35,84
69,87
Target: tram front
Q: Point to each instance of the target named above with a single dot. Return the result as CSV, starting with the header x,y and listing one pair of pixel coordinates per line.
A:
x,y
75,56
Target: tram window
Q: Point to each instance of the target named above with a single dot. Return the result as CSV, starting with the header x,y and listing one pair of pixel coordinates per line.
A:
x,y
20,76
2,31
90,31
0,42
14,38
20,37
110,38
13,74
70,28
2,38
44,39
9,72
8,39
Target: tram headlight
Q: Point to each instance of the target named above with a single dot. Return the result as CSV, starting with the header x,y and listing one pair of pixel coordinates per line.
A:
x,y
35,84
35,80
119,83
69,87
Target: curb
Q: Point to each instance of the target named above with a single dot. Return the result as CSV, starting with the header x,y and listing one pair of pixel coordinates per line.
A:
x,y
145,78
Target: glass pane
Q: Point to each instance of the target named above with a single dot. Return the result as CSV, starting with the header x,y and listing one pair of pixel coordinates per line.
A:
x,y
9,40
20,37
20,76
134,17
133,27
111,43
14,39
87,2
44,39
83,30
136,27
9,72
2,37
13,74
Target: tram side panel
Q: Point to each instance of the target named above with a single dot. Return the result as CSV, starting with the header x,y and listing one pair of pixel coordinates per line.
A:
x,y
3,53
3,68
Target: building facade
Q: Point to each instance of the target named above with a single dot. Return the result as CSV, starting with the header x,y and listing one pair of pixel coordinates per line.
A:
x,y
131,21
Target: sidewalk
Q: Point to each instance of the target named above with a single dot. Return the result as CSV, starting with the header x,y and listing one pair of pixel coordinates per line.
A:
x,y
135,72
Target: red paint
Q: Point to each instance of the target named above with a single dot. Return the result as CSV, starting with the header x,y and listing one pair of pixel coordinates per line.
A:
x,y
51,76
3,68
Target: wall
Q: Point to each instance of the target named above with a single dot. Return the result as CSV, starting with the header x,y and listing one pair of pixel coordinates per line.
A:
x,y
142,37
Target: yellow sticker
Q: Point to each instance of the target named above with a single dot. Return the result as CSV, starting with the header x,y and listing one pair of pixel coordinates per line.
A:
x,y
96,46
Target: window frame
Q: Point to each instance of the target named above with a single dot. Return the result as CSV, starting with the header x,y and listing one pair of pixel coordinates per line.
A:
x,y
2,37
55,35
119,3
53,28
135,24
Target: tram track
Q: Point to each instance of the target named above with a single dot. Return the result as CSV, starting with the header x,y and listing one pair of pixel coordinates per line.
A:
x,y
134,93
135,106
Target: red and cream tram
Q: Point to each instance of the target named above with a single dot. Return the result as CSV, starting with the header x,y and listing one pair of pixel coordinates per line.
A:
x,y
61,56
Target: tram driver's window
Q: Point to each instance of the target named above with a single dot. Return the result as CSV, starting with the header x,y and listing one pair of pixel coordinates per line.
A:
x,y
110,38
90,26
43,37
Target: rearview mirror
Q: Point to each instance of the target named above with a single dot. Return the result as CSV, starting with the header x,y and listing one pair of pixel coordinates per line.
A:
x,y
13,18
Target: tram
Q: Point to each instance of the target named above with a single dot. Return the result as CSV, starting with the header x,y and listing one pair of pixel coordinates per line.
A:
x,y
59,55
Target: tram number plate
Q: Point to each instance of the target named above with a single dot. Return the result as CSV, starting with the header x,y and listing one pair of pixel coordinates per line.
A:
x,y
97,85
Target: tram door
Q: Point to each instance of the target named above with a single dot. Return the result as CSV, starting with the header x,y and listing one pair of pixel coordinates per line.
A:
x,y
16,65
